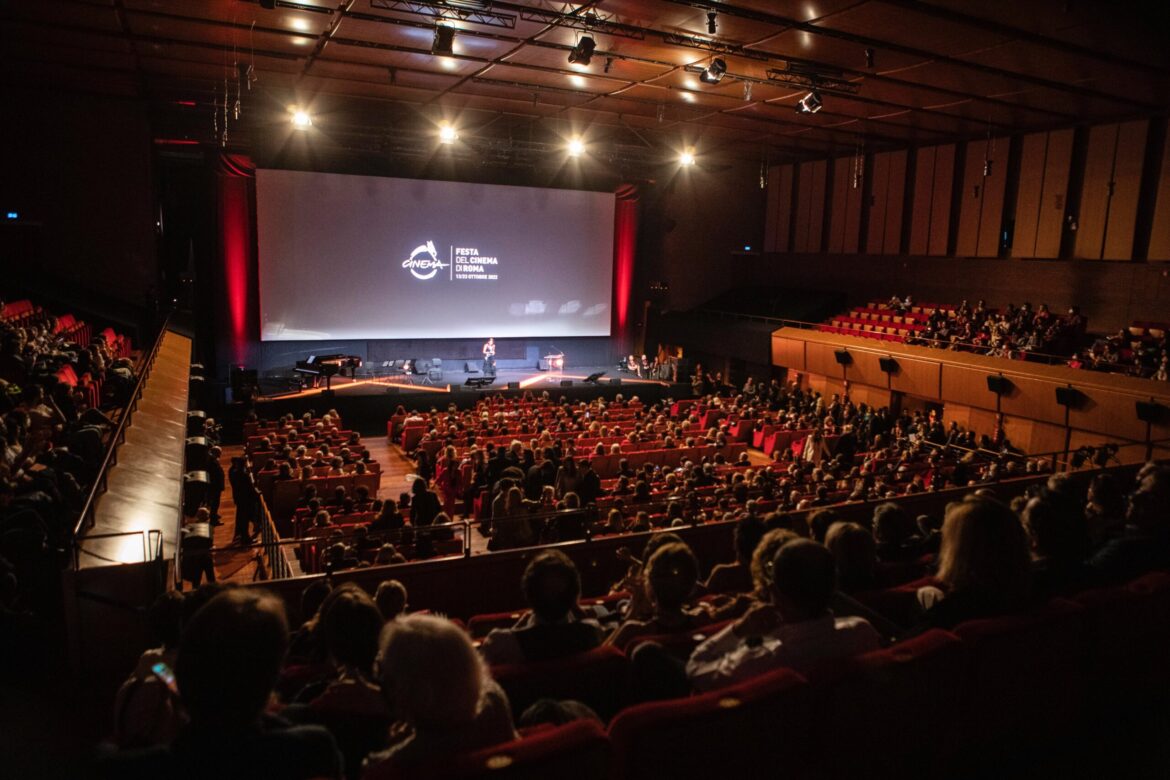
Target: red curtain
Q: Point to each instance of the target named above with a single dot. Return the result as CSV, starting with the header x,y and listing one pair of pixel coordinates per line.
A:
x,y
235,184
625,241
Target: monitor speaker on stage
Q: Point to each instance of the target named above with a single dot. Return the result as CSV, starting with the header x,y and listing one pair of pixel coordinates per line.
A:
x,y
479,382
616,380
471,368
566,383
513,385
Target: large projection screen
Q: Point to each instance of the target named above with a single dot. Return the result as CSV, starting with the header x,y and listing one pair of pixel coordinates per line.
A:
x,y
362,257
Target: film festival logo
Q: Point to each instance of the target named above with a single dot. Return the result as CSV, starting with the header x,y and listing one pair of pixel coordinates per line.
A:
x,y
424,262
470,265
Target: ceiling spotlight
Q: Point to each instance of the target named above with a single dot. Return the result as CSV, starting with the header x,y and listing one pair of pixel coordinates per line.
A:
x,y
447,134
301,119
576,147
713,73
747,90
444,42
711,26
810,103
687,157
582,53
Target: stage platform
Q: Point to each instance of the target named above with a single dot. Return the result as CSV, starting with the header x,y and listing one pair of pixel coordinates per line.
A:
x,y
365,403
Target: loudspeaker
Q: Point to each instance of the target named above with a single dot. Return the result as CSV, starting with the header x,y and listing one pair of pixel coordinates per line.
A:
x,y
479,382
999,384
617,380
513,385
1150,411
888,364
471,368
1069,396
566,383
843,357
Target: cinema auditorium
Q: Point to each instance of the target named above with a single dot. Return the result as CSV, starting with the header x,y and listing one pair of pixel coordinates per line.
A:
x,y
585,389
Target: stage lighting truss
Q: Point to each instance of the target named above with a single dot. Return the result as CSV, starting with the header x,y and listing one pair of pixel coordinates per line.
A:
x,y
472,11
814,81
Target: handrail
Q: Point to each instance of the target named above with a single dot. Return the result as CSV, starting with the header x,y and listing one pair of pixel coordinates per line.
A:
x,y
85,518
147,535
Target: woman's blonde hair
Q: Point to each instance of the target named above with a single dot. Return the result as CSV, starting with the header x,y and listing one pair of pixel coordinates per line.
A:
x,y
431,674
984,550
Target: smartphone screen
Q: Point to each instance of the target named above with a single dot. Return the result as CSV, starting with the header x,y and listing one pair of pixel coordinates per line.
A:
x,y
164,673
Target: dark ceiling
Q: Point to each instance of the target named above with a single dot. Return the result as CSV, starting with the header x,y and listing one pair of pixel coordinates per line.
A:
x,y
935,71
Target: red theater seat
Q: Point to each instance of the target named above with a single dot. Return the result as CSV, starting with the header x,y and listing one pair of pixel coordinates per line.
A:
x,y
597,678
575,751
760,728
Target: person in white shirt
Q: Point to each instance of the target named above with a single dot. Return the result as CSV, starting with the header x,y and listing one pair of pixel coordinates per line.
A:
x,y
796,630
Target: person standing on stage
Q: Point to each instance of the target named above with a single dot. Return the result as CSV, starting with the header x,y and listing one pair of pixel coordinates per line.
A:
x,y
489,357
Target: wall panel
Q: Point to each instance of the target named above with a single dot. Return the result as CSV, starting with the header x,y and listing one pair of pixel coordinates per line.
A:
x,y
1030,195
1054,202
1127,179
1094,205
1160,231
879,184
788,353
895,198
865,369
923,194
991,193
778,227
845,209
819,359
918,378
942,193
816,212
970,202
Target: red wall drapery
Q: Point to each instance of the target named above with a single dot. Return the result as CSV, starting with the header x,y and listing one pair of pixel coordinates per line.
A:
x,y
235,185
625,241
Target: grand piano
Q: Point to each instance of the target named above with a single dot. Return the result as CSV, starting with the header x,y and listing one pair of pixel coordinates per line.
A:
x,y
328,366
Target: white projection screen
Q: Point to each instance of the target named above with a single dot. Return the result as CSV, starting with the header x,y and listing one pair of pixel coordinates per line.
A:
x,y
362,257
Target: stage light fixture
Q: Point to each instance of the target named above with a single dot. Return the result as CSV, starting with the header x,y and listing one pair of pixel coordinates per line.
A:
x,y
444,42
576,147
810,103
687,157
582,53
713,73
301,119
712,25
447,134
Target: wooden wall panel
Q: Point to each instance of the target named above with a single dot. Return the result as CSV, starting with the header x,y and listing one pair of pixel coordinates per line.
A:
x,y
778,228
1094,204
1030,195
788,353
804,176
1108,412
835,242
970,202
879,184
919,378
816,212
1160,231
866,370
852,244
967,386
819,360
992,193
941,193
1127,179
895,198
1032,398
1054,202
923,195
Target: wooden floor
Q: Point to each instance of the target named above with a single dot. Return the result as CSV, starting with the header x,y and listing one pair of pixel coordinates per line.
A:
x,y
242,565
144,488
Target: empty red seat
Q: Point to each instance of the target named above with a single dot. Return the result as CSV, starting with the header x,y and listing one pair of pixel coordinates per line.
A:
x,y
759,728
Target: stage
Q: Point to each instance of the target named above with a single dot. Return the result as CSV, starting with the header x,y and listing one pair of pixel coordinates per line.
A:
x,y
366,402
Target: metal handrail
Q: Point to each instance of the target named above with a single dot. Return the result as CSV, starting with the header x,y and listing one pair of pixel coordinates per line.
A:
x,y
85,518
146,533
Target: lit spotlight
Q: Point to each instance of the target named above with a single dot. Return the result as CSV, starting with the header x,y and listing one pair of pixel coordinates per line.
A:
x,y
687,157
687,96
576,147
301,119
577,81
444,42
447,134
711,24
713,73
810,103
582,53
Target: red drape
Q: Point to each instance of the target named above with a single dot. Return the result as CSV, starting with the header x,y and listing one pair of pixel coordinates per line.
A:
x,y
235,180
625,241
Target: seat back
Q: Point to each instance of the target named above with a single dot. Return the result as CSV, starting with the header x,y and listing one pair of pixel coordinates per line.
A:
x,y
1128,631
596,678
759,728
1024,673
578,750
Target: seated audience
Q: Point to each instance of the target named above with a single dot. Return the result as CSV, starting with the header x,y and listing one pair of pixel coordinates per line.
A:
x,y
671,574
1145,543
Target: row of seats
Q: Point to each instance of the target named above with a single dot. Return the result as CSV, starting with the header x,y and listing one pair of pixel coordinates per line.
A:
x,y
910,710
